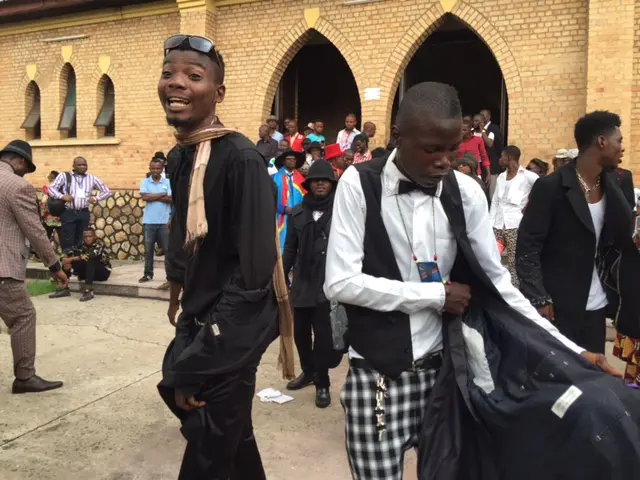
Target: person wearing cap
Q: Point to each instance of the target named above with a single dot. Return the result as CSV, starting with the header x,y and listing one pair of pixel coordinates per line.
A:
x,y
308,129
305,251
317,134
272,122
335,156
469,166
19,222
561,159
315,153
289,187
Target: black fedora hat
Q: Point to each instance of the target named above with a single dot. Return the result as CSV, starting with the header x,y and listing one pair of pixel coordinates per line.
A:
x,y
320,170
300,158
23,149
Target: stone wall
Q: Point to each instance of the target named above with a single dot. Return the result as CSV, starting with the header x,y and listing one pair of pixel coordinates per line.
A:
x,y
118,223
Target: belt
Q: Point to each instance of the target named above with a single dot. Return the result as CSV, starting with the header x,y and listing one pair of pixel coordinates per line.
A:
x,y
432,361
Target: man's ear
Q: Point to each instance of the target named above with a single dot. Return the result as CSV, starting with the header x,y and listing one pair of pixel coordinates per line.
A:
x,y
602,142
395,134
220,93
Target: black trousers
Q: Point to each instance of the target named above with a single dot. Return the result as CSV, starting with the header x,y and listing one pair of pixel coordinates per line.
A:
x,y
74,223
312,334
220,441
91,270
587,329
51,230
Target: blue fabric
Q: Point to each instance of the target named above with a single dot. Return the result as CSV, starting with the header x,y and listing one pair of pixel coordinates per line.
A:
x,y
154,234
290,194
156,213
277,136
316,138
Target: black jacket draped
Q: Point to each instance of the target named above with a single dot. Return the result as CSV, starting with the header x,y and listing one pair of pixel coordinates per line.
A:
x,y
513,403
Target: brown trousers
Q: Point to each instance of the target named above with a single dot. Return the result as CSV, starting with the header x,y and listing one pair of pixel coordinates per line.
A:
x,y
19,314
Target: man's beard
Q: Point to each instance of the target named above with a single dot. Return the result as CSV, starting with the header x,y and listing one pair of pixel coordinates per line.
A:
x,y
180,124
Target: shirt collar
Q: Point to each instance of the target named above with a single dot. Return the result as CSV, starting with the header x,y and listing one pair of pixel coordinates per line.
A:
x,y
391,177
6,166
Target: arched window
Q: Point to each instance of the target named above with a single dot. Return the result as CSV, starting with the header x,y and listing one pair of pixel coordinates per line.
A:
x,y
106,116
67,123
31,123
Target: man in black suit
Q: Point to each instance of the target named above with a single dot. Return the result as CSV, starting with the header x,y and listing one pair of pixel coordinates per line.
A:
x,y
576,221
494,142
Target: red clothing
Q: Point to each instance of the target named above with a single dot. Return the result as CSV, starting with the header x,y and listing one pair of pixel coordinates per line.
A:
x,y
475,145
296,142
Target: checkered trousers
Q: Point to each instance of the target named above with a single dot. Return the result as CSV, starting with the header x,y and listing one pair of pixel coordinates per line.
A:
x,y
383,419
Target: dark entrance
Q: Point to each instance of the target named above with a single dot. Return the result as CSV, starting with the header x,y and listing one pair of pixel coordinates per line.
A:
x,y
317,84
454,54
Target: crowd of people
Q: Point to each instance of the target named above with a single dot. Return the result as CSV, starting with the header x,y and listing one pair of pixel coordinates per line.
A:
x,y
468,283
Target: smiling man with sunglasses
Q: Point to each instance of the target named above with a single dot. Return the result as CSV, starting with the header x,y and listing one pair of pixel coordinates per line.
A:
x,y
224,203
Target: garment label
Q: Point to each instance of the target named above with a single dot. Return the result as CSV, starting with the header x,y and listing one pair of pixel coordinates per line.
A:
x,y
566,400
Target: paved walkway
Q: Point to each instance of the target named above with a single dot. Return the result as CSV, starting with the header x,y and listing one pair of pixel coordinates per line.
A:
x,y
108,421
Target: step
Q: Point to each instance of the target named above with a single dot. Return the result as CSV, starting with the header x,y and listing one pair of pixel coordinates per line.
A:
x,y
123,282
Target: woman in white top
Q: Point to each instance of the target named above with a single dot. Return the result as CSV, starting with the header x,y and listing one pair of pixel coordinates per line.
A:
x,y
509,200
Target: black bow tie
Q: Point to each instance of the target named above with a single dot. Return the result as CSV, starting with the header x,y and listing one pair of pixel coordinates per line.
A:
x,y
407,187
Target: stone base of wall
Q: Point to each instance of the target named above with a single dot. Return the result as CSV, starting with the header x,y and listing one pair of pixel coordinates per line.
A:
x,y
118,223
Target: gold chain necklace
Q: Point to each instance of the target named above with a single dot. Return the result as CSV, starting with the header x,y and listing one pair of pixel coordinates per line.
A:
x,y
585,188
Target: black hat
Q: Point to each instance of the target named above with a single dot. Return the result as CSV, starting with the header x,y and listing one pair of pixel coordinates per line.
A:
x,y
320,170
300,158
315,145
23,149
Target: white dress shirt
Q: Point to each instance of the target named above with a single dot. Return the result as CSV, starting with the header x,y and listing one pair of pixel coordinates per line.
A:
x,y
423,302
597,298
509,199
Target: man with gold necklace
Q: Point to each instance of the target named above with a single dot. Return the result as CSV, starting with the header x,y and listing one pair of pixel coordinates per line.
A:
x,y
576,227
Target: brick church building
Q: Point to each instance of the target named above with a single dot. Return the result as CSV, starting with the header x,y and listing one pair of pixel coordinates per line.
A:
x,y
79,77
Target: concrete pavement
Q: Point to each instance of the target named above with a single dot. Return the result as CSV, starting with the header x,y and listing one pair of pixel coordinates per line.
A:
x,y
108,421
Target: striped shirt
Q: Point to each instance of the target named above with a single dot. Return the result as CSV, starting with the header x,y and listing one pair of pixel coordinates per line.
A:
x,y
80,189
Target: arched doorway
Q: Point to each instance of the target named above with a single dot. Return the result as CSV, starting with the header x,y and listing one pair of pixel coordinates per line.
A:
x,y
454,54
317,84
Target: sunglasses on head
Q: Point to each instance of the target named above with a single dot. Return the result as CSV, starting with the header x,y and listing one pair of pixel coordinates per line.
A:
x,y
199,44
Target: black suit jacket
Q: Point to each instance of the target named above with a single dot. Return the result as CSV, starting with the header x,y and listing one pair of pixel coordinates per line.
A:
x,y
556,246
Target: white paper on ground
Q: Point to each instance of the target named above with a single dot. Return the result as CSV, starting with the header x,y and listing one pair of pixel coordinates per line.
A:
x,y
270,395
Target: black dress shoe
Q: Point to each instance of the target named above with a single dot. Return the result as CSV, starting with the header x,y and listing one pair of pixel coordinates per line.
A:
x,y
323,398
34,385
303,380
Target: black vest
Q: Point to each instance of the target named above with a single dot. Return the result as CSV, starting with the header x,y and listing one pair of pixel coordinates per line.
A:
x,y
384,338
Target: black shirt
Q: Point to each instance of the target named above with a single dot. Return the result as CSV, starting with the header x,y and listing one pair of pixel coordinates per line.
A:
x,y
241,211
268,148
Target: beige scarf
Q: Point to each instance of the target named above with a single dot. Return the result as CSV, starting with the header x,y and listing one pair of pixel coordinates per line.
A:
x,y
197,228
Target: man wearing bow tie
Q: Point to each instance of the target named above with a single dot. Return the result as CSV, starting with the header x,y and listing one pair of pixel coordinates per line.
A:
x,y
389,259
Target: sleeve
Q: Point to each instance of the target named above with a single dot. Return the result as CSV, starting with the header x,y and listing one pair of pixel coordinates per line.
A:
x,y
98,185
253,198
169,191
25,209
56,187
482,241
532,233
483,154
290,251
627,189
494,203
143,187
344,280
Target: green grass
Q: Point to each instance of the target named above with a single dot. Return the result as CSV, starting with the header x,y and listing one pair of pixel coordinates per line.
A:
x,y
40,287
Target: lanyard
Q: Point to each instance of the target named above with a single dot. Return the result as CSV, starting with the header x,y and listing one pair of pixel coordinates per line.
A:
x,y
406,231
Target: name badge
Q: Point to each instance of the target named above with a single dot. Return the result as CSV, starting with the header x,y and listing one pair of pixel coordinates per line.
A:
x,y
429,272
